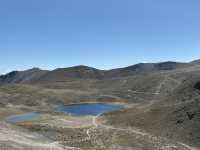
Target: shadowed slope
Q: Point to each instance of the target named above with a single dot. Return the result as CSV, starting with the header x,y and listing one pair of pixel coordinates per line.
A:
x,y
26,76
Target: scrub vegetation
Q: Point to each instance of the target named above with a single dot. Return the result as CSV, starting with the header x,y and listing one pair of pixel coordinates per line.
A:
x,y
162,108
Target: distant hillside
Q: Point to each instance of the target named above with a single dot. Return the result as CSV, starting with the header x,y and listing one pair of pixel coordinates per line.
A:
x,y
196,61
80,72
144,68
36,75
27,76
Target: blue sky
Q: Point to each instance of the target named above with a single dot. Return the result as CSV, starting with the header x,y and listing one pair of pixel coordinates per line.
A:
x,y
99,33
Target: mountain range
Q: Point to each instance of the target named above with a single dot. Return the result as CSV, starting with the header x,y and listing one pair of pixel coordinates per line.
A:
x,y
36,75
163,98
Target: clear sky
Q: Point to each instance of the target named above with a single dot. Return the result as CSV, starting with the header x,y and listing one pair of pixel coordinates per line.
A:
x,y
99,33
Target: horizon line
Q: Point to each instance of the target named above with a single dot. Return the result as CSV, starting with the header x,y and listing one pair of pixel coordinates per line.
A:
x,y
90,66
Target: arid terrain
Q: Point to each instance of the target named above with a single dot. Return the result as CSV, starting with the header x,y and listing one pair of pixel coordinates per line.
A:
x,y
162,108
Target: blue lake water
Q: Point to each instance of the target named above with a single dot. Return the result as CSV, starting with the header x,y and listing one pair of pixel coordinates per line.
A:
x,y
23,117
92,109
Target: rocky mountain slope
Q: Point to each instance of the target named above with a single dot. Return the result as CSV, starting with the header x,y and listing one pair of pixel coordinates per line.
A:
x,y
85,72
26,76
164,98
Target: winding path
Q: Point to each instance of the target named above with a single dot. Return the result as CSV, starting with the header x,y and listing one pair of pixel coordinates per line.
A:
x,y
134,131
158,88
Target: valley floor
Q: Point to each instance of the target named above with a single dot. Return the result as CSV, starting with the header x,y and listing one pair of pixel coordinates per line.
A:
x,y
163,112
65,132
